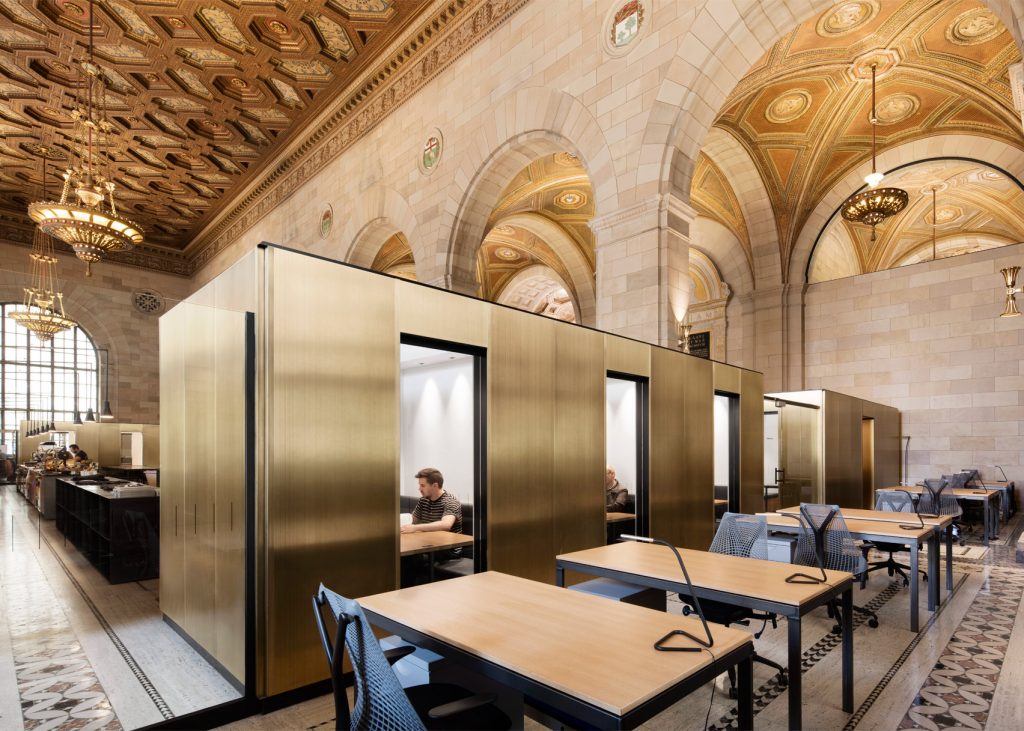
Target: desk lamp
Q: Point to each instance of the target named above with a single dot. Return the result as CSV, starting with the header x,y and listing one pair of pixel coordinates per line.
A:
x,y
801,578
659,645
906,526
1005,478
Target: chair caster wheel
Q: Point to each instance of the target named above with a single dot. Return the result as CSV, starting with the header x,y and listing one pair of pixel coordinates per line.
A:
x,y
873,623
686,611
733,693
906,583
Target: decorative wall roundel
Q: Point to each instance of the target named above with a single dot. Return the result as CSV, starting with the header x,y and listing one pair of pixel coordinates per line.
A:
x,y
896,107
974,27
147,301
788,107
430,154
846,18
326,221
626,22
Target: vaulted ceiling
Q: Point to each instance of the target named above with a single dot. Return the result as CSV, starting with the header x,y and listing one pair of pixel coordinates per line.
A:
x,y
202,93
802,111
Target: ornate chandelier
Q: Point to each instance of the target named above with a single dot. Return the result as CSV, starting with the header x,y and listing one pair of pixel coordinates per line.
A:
x,y
874,205
43,315
91,225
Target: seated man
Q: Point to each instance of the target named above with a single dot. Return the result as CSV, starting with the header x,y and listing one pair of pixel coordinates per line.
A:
x,y
614,493
436,510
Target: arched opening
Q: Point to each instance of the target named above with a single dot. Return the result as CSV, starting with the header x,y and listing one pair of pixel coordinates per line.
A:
x,y
48,381
395,257
539,225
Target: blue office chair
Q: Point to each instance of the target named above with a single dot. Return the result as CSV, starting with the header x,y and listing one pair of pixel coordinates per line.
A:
x,y
745,536
832,547
380,701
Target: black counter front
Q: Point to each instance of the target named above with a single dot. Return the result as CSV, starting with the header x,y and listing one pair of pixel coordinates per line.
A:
x,y
119,535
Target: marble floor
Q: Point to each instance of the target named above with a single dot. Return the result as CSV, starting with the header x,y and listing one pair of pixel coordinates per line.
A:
x,y
79,653
962,670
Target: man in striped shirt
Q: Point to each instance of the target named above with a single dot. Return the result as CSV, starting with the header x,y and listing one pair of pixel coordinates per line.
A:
x,y
437,509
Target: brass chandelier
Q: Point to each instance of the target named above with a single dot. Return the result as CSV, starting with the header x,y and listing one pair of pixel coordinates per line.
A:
x,y
43,315
874,205
91,224
1010,278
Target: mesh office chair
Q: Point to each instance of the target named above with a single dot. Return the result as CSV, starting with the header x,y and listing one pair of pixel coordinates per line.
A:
x,y
935,500
745,536
380,703
832,545
893,502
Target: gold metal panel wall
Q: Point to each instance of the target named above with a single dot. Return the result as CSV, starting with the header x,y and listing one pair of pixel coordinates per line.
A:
x,y
727,378
229,498
751,441
681,489
800,456
173,326
442,315
151,445
521,364
332,450
627,356
579,440
110,443
888,445
843,472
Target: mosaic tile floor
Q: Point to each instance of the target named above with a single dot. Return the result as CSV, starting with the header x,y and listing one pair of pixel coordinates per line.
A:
x,y
79,653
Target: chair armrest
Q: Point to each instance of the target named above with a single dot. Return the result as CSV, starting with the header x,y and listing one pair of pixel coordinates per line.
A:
x,y
397,653
463,705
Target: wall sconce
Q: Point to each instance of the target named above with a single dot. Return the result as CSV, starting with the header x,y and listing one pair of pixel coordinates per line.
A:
x,y
683,331
1010,277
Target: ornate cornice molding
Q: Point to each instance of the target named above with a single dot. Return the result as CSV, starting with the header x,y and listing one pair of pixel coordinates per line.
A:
x,y
654,212
424,53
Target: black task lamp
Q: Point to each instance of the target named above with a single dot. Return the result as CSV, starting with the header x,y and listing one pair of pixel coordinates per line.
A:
x,y
917,512
819,549
1005,478
659,645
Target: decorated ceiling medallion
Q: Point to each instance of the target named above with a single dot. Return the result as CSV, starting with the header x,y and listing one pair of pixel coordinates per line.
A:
x,y
430,155
974,27
846,18
788,107
947,214
326,221
896,108
504,229
883,59
507,254
570,199
566,159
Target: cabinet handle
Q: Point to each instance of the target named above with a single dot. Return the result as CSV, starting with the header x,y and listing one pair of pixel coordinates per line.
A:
x,y
214,516
231,515
195,518
175,521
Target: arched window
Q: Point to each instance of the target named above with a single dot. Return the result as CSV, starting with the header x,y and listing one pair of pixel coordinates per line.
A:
x,y
44,381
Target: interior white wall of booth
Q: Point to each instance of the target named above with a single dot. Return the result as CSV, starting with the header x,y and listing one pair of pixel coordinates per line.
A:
x,y
338,429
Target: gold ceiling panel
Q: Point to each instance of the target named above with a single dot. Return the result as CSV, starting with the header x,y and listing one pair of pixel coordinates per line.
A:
x,y
194,88
802,111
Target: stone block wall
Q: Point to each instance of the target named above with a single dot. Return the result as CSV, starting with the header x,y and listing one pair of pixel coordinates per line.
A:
x,y
928,339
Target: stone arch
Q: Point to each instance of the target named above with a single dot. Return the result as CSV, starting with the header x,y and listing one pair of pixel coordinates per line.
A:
x,y
581,276
722,247
526,124
717,50
733,159
379,214
534,271
984,149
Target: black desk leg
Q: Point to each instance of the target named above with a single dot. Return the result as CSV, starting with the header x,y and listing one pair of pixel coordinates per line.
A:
x,y
559,576
848,650
795,675
915,600
745,685
949,558
986,511
933,571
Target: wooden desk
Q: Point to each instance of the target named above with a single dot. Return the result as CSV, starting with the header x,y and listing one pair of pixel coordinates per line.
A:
x,y
586,660
941,525
873,530
744,582
720,501
432,542
988,496
619,517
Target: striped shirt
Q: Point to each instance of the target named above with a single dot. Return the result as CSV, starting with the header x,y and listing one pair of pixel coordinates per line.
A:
x,y
427,511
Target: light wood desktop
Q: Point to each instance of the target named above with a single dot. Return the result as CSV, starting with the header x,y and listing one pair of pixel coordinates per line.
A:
x,y
940,524
989,496
720,501
744,582
874,530
546,642
432,541
619,517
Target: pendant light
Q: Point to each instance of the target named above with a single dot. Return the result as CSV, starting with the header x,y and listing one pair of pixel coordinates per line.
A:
x,y
105,413
78,417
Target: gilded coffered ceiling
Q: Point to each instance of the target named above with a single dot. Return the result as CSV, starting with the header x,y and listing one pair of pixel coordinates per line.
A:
x,y
203,94
976,207
802,111
395,257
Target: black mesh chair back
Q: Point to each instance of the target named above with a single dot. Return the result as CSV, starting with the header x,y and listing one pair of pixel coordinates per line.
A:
x,y
958,481
895,502
831,540
937,500
742,535
380,702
